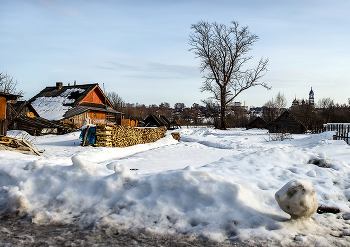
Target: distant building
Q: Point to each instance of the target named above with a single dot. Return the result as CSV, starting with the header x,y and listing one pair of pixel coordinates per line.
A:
x,y
238,105
257,123
295,102
287,122
311,100
311,97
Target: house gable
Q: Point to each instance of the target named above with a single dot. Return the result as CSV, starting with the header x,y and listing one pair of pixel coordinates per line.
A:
x,y
95,96
287,122
257,123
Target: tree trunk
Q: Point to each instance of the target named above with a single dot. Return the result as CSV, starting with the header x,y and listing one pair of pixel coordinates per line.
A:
x,y
223,109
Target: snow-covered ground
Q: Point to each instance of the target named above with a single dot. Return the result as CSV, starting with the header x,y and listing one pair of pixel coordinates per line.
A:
x,y
215,184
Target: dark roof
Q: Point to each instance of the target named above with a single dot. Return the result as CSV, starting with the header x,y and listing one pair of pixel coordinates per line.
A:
x,y
258,122
9,96
289,114
55,92
160,120
288,122
39,122
81,109
19,105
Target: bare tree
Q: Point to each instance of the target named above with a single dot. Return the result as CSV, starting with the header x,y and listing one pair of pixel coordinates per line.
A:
x,y
179,106
8,84
274,107
222,51
325,103
269,111
116,101
280,101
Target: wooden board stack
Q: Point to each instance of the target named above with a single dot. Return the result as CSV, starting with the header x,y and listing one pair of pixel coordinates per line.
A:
x,y
104,135
124,136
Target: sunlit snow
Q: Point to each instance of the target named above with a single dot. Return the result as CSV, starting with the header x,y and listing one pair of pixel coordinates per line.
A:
x,y
53,108
217,184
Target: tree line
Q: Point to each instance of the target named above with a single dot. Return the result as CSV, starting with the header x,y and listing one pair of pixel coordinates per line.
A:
x,y
207,113
312,116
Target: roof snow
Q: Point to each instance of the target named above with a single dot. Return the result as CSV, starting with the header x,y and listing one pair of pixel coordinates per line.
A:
x,y
53,108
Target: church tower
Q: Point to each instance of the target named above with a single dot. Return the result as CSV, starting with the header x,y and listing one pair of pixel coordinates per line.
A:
x,y
295,102
311,97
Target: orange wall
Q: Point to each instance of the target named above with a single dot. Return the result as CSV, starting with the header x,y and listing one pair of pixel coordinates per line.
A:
x,y
2,108
95,96
100,115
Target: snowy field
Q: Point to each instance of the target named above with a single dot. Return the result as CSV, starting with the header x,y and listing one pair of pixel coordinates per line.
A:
x,y
215,184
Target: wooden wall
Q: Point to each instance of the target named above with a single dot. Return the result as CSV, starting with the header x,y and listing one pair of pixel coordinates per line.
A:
x,y
2,108
92,117
287,123
95,96
96,114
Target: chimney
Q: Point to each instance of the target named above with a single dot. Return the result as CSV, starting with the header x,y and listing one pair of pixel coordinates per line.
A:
x,y
59,85
75,82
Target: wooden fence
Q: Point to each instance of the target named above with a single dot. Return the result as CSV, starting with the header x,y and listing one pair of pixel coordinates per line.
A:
x,y
342,131
128,122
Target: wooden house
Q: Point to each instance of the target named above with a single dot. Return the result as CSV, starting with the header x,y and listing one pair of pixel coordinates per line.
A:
x,y
287,122
156,121
4,99
22,116
257,123
75,105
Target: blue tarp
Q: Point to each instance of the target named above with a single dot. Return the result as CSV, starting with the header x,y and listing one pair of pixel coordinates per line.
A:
x,y
91,137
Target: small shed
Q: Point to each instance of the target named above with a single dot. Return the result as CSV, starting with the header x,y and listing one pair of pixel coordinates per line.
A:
x,y
257,123
287,122
4,99
156,121
24,117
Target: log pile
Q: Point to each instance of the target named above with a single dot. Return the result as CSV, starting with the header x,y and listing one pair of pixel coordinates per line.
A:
x,y
124,136
18,145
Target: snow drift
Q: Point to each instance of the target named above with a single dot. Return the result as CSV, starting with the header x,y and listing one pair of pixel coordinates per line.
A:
x,y
215,184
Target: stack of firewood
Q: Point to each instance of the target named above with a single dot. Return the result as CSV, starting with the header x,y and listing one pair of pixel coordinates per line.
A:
x,y
104,135
124,136
18,145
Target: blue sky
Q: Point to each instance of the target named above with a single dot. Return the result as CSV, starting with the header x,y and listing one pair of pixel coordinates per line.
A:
x,y
139,48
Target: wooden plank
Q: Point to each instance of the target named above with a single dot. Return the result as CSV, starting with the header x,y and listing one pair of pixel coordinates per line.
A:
x,y
30,146
85,136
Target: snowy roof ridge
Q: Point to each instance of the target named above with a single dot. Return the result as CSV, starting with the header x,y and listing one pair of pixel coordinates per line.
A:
x,y
55,92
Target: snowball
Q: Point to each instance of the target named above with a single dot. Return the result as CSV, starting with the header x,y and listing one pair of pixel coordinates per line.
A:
x,y
298,198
